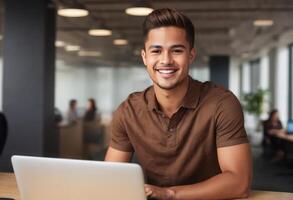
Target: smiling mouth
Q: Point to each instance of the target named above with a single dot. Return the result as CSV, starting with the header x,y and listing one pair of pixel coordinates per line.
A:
x,y
166,71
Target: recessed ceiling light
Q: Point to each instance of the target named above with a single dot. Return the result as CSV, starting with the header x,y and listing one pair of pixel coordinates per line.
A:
x,y
89,53
73,12
59,43
263,22
72,48
138,11
1,37
100,32
120,42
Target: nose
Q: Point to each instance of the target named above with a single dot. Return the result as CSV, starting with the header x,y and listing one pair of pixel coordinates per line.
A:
x,y
166,58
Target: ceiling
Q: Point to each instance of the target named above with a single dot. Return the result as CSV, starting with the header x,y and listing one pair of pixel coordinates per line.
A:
x,y
223,27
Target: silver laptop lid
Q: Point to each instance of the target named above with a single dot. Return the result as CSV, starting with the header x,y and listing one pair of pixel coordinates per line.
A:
x,y
41,178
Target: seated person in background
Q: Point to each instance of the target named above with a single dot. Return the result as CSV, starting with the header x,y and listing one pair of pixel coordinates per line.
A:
x,y
93,131
272,128
188,136
3,131
72,112
91,111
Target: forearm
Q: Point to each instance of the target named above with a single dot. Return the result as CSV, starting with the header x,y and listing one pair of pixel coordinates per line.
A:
x,y
223,186
275,131
114,155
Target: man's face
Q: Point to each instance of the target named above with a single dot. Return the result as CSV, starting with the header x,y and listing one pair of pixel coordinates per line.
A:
x,y
167,55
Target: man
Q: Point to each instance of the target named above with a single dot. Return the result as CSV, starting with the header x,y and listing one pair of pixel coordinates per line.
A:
x,y
188,136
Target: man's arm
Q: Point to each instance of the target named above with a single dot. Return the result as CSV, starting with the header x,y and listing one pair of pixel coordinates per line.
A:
x,y
114,155
233,182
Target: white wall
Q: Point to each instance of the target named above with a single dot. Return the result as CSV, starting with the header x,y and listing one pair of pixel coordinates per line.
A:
x,y
234,76
69,84
264,82
99,86
282,87
264,72
200,73
127,80
109,86
246,77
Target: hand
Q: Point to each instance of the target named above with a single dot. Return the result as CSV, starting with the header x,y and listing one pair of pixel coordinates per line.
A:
x,y
159,192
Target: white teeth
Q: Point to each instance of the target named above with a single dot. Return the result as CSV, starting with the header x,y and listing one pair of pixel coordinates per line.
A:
x,y
166,71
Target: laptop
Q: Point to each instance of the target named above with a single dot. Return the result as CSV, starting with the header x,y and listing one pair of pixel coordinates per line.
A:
x,y
40,178
290,127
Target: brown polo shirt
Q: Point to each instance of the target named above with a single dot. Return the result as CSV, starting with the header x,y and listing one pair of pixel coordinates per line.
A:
x,y
181,150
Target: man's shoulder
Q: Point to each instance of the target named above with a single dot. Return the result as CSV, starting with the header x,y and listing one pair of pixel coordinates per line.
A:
x,y
214,92
212,96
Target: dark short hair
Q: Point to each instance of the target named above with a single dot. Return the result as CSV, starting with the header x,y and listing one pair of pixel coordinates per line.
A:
x,y
169,17
271,114
93,104
72,103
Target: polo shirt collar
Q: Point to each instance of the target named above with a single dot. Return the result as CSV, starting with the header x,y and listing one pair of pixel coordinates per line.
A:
x,y
153,103
190,100
192,96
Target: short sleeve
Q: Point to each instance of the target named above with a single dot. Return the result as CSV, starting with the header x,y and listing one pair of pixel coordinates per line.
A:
x,y
229,122
119,137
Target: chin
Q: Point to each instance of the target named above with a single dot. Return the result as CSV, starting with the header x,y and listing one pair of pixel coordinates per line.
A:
x,y
170,84
167,86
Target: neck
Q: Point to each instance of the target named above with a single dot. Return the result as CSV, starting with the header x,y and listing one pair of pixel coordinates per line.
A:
x,y
171,100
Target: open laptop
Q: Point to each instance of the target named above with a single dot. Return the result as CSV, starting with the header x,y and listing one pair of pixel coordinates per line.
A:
x,y
41,178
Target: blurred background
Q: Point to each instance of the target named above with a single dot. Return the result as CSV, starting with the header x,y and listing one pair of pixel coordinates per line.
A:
x,y
65,66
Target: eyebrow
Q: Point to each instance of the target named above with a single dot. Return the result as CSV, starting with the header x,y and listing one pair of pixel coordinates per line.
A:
x,y
155,47
173,46
178,46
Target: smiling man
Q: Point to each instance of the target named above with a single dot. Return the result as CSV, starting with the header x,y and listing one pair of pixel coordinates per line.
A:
x,y
188,136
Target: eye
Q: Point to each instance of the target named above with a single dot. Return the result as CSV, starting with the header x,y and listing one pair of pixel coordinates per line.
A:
x,y
177,51
155,51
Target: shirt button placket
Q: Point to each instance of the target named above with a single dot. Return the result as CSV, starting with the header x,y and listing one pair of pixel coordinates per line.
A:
x,y
171,137
171,129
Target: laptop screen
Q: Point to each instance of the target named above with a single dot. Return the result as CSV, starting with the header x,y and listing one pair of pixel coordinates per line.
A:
x,y
290,126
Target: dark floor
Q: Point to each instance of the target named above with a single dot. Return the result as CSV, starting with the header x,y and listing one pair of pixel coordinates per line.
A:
x,y
268,175
276,176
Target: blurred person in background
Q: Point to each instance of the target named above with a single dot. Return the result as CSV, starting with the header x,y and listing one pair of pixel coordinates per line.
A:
x,y
93,131
272,128
91,111
72,116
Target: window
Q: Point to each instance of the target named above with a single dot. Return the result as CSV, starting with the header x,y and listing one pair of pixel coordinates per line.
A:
x,y
255,75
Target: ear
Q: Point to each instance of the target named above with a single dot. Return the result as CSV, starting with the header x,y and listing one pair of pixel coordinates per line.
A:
x,y
192,55
143,55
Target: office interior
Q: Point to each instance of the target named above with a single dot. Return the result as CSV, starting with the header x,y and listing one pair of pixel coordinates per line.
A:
x,y
47,59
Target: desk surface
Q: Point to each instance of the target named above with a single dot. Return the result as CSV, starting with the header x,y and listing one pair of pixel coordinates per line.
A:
x,y
285,136
8,188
